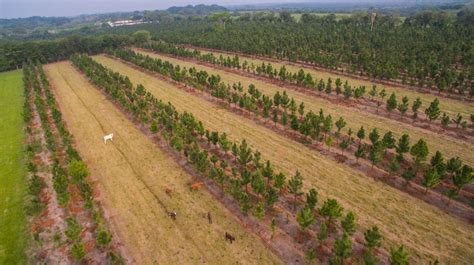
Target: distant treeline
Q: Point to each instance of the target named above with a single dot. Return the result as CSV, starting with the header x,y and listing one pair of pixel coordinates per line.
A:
x,y
14,54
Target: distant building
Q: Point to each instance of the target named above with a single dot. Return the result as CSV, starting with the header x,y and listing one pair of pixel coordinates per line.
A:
x,y
119,23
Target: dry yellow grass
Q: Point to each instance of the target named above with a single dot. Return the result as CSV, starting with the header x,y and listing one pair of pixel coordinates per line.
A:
x,y
133,174
355,118
426,230
450,106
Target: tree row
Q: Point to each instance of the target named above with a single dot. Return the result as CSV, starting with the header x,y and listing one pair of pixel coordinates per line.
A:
x,y
384,151
432,114
237,169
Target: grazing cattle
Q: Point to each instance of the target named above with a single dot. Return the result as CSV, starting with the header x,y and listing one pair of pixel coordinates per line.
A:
x,y
108,137
196,186
172,215
168,192
229,237
209,218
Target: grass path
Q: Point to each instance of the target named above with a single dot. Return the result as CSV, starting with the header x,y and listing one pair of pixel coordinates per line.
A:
x,y
426,230
13,225
450,106
355,118
133,174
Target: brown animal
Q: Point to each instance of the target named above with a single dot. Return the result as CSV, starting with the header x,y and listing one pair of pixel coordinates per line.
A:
x,y
229,237
168,192
209,218
196,186
172,215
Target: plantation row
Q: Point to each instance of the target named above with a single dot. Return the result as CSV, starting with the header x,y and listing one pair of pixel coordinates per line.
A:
x,y
36,184
374,98
251,182
68,169
430,49
383,151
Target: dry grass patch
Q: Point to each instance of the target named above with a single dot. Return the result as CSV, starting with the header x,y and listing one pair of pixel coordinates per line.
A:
x,y
426,230
355,118
132,175
450,106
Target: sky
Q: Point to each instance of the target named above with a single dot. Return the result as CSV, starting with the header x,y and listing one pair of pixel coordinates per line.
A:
x,y
26,8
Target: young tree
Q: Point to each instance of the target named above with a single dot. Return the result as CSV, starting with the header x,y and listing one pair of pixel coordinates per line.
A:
x,y
342,249
341,123
463,177
399,256
415,107
409,174
329,142
372,238
376,152
78,170
311,198
338,86
419,151
244,154
433,111
403,106
323,232
403,146
349,223
294,186
431,180
373,92
374,136
361,134
258,183
445,120
279,182
305,218
388,140
331,209
391,102
359,153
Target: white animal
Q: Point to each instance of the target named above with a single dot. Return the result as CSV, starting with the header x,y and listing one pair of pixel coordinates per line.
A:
x,y
108,137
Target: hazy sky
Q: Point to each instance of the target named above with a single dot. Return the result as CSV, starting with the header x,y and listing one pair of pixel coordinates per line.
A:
x,y
26,8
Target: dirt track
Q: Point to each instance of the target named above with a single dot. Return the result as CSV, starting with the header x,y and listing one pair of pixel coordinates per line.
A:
x,y
132,175
401,217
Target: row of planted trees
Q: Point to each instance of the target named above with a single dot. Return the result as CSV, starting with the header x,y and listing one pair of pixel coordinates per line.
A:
x,y
383,151
429,50
67,168
337,87
237,169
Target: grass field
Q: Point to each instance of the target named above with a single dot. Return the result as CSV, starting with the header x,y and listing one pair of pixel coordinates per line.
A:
x,y
355,118
13,223
403,219
450,106
132,176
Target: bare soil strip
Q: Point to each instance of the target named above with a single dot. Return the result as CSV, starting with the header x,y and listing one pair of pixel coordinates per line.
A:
x,y
355,118
52,219
401,217
133,176
391,85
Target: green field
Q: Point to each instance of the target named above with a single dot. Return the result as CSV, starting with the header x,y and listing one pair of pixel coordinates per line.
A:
x,y
12,173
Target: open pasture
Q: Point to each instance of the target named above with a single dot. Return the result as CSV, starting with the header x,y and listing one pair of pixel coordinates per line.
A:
x,y
402,218
13,233
355,118
132,176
